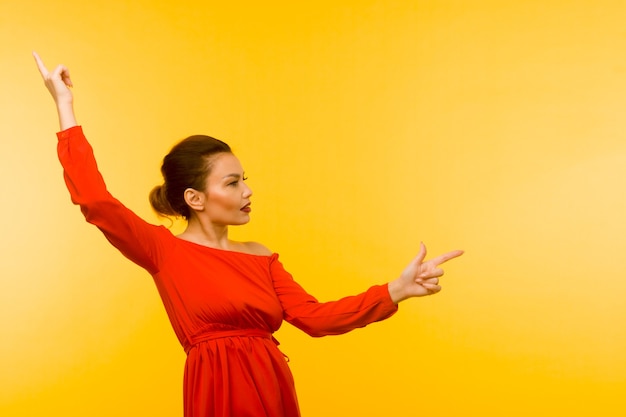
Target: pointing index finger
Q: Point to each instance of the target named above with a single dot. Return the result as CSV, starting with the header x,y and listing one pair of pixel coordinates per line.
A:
x,y
40,65
447,256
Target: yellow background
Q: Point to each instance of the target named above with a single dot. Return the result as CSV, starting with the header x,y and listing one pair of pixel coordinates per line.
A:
x,y
365,126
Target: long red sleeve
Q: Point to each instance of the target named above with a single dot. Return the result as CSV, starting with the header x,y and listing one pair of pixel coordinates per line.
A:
x,y
333,317
134,237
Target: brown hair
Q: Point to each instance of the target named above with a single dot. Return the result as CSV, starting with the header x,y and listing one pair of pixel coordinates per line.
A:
x,y
187,165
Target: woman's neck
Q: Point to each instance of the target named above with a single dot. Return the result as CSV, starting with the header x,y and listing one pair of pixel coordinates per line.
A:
x,y
211,235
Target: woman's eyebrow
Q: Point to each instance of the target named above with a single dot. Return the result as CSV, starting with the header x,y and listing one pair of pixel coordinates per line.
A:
x,y
232,175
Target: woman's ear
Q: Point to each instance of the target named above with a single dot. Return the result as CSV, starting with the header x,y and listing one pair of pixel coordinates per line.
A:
x,y
195,199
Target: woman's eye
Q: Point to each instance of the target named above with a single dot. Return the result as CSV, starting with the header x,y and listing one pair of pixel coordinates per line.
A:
x,y
235,183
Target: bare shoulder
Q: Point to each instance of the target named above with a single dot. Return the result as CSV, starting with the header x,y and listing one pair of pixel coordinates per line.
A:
x,y
255,248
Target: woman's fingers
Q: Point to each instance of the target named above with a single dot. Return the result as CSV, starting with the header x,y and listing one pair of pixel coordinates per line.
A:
x,y
60,72
429,270
40,65
421,255
64,73
432,287
446,257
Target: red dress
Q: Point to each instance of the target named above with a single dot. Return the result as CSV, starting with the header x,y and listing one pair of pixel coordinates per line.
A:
x,y
223,305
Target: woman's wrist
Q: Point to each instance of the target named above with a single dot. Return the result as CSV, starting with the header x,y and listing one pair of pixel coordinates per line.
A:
x,y
396,292
67,118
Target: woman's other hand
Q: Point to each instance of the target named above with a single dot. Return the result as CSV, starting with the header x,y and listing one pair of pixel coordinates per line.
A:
x,y
420,277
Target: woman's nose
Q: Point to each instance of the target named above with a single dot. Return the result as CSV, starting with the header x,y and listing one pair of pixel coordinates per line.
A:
x,y
247,192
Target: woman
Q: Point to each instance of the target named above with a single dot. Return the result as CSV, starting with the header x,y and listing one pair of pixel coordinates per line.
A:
x,y
223,298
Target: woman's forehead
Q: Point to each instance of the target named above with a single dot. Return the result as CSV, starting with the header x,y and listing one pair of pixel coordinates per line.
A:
x,y
225,164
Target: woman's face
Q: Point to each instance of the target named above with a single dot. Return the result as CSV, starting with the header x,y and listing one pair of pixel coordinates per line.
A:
x,y
227,195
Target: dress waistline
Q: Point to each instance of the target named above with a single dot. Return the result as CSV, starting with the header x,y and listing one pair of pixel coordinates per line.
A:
x,y
193,341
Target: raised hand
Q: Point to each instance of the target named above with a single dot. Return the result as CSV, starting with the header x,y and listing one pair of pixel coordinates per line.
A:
x,y
58,83
420,278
